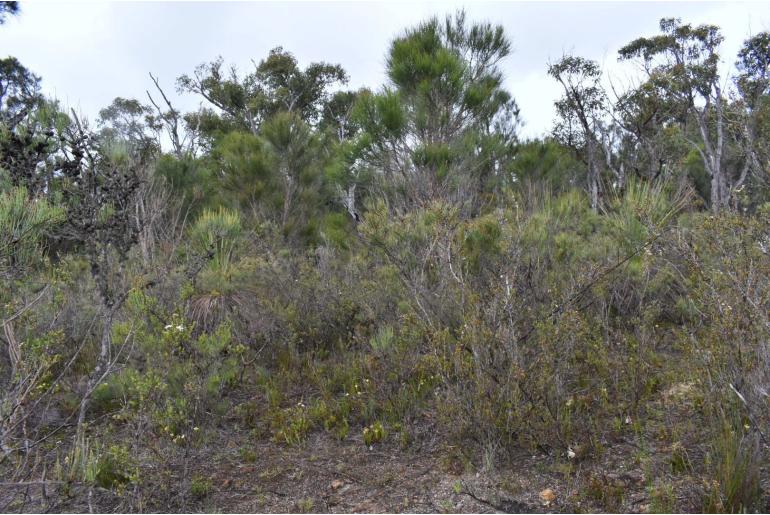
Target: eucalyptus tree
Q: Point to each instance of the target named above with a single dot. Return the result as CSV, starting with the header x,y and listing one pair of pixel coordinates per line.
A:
x,y
337,116
644,115
444,127
580,111
683,61
753,84
128,121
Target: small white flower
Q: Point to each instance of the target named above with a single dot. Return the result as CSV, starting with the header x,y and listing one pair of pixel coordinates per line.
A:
x,y
169,326
570,453
180,328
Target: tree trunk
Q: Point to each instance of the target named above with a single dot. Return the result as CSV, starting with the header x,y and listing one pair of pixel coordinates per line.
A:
x,y
593,175
720,194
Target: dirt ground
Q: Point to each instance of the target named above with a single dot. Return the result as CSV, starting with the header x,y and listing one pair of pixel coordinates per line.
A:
x,y
325,475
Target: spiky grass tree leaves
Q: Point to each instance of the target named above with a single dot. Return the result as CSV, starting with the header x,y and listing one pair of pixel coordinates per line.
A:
x,y
24,222
217,232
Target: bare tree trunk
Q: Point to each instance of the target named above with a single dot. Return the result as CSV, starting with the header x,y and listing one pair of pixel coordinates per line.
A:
x,y
619,171
712,154
720,193
593,175
350,201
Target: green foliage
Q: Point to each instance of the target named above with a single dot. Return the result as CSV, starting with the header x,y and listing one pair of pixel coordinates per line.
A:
x,y
736,471
277,85
481,243
327,265
191,180
80,464
447,97
24,222
383,340
374,433
545,161
217,233
115,468
291,425
200,487
246,176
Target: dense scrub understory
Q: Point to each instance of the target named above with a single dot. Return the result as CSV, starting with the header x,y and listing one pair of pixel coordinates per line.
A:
x,y
379,302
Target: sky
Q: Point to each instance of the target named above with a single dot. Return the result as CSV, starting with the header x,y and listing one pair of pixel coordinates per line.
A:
x,y
91,52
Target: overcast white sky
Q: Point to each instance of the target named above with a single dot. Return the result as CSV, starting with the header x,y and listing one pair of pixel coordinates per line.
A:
x,y
90,52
